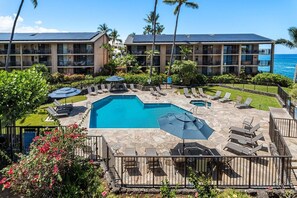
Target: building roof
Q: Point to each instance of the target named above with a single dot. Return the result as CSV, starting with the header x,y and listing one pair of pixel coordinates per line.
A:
x,y
197,38
61,36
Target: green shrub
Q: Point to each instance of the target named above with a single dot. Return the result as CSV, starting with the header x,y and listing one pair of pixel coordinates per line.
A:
x,y
265,78
166,191
294,92
233,193
73,77
225,78
186,70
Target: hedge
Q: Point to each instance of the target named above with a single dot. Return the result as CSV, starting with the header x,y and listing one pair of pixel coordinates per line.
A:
x,y
265,78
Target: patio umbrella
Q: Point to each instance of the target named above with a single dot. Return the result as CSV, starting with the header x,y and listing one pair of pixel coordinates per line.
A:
x,y
114,80
64,92
185,126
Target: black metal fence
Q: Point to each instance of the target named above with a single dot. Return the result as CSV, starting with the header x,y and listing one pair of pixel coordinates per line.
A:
x,y
286,127
289,105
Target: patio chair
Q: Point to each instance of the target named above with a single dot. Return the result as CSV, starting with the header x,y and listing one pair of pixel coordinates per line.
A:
x,y
242,149
186,93
108,87
239,130
160,91
226,97
216,96
60,110
90,92
195,94
125,87
246,140
53,113
246,104
238,100
61,106
133,88
247,123
202,93
130,161
97,90
152,161
153,92
103,88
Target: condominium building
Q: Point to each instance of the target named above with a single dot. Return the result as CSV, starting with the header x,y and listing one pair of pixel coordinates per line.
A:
x,y
214,53
60,52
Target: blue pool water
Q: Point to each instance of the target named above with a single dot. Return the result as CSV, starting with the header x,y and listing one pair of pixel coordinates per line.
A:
x,y
128,112
200,103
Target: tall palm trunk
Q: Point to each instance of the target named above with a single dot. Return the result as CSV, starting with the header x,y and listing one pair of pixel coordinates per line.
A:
x,y
173,50
154,37
12,34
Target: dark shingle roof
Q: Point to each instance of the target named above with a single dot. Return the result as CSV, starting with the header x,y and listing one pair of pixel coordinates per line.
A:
x,y
49,36
192,38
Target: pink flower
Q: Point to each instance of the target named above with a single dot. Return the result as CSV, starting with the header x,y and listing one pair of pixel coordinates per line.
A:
x,y
196,194
91,162
36,138
56,169
3,180
10,172
7,185
104,193
47,133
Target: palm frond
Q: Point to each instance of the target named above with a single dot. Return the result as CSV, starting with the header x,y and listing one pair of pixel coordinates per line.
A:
x,y
170,2
177,8
286,43
293,34
192,5
35,3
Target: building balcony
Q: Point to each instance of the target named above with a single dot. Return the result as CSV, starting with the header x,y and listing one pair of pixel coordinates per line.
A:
x,y
212,52
236,51
264,51
2,64
248,63
4,51
67,51
264,63
210,63
231,63
83,51
75,63
30,63
14,63
32,51
137,52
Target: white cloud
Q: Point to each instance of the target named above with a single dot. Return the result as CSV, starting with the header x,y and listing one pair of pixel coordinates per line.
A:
x,y
6,23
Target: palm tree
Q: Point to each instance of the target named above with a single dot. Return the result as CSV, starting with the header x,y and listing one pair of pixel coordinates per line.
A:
x,y
289,43
35,3
103,28
155,16
148,29
176,12
114,36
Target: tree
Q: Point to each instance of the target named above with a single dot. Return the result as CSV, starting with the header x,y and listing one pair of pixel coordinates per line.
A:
x,y
114,36
176,12
103,28
293,36
148,29
186,70
35,3
21,92
294,92
154,22
185,51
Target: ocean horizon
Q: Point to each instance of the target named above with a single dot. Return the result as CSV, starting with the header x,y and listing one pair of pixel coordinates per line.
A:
x,y
284,64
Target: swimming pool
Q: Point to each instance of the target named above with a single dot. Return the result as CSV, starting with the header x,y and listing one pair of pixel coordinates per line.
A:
x,y
128,111
200,103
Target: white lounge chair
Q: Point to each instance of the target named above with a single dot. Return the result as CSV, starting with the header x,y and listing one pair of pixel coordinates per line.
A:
x,y
246,104
186,93
90,92
97,90
242,149
202,93
160,91
194,93
133,88
103,88
239,130
153,92
54,113
246,140
125,87
216,96
226,97
63,106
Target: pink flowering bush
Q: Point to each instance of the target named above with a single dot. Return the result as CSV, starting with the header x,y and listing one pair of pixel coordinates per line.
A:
x,y
52,169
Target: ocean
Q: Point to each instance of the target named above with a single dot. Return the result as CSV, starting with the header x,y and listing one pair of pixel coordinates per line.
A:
x,y
283,64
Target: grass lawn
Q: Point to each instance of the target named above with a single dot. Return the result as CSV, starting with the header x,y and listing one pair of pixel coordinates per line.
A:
x,y
263,88
38,118
260,102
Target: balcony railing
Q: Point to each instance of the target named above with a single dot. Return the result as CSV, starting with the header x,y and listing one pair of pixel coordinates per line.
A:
x,y
212,51
264,63
248,63
32,51
67,51
30,63
2,64
210,63
137,52
75,63
83,51
264,51
233,51
14,63
4,51
231,63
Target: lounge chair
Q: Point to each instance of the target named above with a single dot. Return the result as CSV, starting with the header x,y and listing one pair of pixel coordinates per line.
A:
x,y
195,94
61,106
239,130
54,113
202,93
130,161
108,87
238,100
152,161
153,92
103,88
186,93
246,104
160,91
246,140
90,92
247,123
242,149
226,97
216,96
97,90
133,88
125,87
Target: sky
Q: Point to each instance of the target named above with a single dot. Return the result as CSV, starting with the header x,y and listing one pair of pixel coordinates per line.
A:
x,y
268,18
